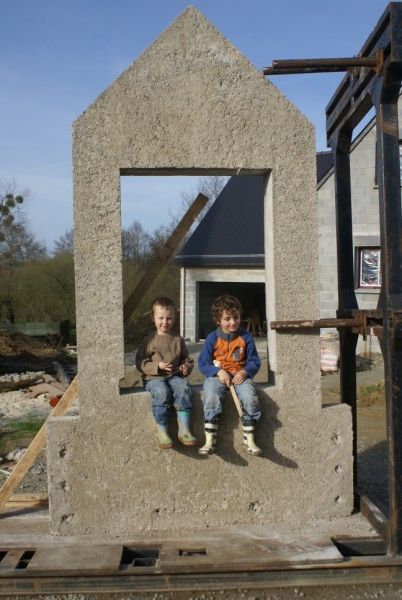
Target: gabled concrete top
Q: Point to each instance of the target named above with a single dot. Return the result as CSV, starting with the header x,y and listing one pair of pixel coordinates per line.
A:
x,y
190,89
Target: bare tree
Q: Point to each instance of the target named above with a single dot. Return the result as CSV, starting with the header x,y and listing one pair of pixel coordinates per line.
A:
x,y
65,243
211,186
136,242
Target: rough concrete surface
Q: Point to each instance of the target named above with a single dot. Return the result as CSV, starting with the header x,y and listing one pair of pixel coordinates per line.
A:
x,y
145,489
191,103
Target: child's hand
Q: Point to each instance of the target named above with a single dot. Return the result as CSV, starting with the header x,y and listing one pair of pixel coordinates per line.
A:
x,y
239,377
183,369
164,366
224,378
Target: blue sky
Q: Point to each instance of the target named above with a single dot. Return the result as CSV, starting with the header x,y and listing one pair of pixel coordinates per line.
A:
x,y
58,55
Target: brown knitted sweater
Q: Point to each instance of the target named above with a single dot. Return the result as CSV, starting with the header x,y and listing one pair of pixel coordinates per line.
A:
x,y
170,348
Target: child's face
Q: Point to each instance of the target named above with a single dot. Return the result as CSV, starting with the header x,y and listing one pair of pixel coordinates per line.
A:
x,y
229,322
163,319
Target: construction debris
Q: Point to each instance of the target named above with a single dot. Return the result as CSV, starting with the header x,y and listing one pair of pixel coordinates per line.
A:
x,y
35,383
17,381
51,388
16,454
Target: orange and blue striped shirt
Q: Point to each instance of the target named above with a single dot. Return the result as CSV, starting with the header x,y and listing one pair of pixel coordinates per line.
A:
x,y
231,352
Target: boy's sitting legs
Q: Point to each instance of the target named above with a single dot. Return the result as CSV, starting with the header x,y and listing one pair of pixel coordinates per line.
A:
x,y
214,393
249,399
252,413
182,402
161,398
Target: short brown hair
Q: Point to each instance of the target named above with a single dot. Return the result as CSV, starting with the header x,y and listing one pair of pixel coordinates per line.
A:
x,y
164,302
226,302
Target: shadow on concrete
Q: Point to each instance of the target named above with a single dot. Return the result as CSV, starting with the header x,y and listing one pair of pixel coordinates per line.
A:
x,y
265,433
229,445
372,474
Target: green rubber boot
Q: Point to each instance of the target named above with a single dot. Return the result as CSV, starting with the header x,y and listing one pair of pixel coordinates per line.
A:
x,y
164,440
184,434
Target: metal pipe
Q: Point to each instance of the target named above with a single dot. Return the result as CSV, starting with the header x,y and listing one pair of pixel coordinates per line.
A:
x,y
319,65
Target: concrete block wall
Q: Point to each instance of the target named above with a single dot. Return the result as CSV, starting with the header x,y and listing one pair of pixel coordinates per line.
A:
x,y
366,228
366,220
192,103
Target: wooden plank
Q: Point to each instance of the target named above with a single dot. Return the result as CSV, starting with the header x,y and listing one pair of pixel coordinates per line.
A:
x,y
167,250
37,497
39,441
100,559
27,501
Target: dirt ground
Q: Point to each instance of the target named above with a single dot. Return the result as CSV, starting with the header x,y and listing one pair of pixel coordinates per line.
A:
x,y
18,352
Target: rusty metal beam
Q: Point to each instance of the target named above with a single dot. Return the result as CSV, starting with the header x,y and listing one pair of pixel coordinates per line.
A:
x,y
357,320
315,324
385,99
356,571
323,65
351,100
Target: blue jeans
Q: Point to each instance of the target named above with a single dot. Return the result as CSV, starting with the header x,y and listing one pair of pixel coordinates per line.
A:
x,y
167,392
215,392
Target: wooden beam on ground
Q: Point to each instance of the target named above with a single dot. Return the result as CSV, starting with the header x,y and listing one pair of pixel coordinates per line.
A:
x,y
39,441
164,254
28,501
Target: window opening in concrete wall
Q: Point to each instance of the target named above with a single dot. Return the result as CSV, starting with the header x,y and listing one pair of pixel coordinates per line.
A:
x,y
151,207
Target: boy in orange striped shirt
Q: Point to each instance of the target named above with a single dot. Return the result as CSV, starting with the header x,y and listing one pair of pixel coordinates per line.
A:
x,y
229,357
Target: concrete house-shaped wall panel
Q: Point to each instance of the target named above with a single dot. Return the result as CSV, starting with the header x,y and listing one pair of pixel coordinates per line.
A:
x,y
192,103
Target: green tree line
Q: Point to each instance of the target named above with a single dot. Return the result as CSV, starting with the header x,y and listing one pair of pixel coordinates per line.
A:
x,y
38,285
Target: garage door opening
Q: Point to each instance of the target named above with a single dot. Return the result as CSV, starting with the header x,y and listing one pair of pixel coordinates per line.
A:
x,y
251,296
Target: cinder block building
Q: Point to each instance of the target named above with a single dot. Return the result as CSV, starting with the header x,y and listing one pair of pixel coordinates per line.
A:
x,y
225,254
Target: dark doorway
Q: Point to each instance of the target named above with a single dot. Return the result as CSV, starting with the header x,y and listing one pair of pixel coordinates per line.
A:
x,y
251,296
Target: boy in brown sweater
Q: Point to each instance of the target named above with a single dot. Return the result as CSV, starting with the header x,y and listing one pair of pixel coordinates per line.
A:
x,y
164,362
